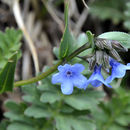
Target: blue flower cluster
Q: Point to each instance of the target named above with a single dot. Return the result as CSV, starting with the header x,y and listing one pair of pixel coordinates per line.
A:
x,y
70,76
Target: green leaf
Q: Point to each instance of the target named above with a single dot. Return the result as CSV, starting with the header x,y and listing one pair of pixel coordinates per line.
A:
x,y
90,39
127,15
9,44
56,51
15,116
123,38
4,124
116,127
13,106
50,97
84,101
82,39
20,126
37,112
127,24
7,75
66,45
32,94
105,9
76,123
123,120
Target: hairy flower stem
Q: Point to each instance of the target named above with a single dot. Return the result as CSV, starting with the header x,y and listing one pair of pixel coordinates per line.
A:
x,y
53,68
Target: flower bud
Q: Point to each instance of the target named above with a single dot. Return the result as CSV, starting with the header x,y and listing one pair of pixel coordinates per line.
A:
x,y
106,61
92,62
117,45
99,57
115,55
99,44
103,43
107,44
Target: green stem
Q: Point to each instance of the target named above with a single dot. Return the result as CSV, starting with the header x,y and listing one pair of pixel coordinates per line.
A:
x,y
39,77
53,68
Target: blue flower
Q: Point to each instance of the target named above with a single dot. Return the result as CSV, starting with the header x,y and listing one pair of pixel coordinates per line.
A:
x,y
118,70
70,76
96,79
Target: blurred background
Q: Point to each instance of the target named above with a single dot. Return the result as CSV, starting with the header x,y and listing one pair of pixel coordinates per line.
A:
x,y
44,22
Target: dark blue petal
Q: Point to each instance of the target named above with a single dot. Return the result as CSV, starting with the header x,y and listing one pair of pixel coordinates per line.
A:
x,y
96,78
79,81
57,78
67,87
118,70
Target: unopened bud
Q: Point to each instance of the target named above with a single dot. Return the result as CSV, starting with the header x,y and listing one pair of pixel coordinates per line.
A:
x,y
92,62
106,60
103,43
99,57
117,45
99,44
107,44
115,55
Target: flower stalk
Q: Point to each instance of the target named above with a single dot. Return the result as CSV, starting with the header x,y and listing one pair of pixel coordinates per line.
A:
x,y
53,68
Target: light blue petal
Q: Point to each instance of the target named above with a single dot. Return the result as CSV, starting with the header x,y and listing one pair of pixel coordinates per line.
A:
x,y
79,81
57,78
77,68
63,68
117,72
67,87
96,83
93,80
128,66
97,79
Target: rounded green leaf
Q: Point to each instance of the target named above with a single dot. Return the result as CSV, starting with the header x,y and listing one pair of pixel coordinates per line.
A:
x,y
37,112
123,38
20,126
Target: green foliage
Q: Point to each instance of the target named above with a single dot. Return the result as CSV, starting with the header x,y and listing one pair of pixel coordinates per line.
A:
x,y
46,108
64,122
104,9
49,105
9,53
7,75
9,44
123,38
66,45
127,15
115,113
4,124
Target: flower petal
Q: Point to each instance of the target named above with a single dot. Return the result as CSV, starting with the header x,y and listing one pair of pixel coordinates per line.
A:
x,y
78,68
117,72
67,87
128,66
79,81
97,79
63,68
57,78
96,83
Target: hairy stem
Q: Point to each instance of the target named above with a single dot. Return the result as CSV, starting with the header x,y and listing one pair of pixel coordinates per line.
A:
x,y
53,68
